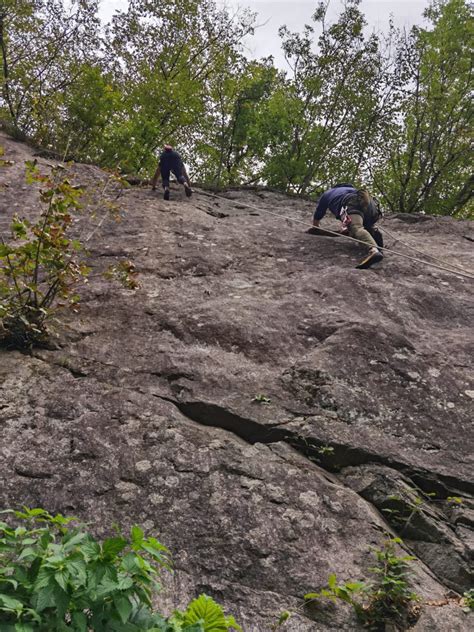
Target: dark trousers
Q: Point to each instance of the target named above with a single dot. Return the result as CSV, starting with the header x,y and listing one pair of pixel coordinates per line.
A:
x,y
165,176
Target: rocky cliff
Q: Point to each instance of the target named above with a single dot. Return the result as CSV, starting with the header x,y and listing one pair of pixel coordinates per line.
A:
x,y
265,409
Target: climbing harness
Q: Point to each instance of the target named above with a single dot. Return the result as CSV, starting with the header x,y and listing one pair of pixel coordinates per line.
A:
x,y
454,268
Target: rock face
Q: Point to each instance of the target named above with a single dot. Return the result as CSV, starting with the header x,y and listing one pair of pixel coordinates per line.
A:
x,y
265,409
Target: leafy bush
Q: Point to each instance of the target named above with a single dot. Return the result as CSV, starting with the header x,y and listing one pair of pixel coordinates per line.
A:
x,y
468,600
386,599
57,577
39,264
42,265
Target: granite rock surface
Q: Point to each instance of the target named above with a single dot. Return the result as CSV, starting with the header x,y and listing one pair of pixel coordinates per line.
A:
x,y
265,409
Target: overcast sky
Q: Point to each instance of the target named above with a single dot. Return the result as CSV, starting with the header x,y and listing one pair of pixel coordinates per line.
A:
x,y
296,13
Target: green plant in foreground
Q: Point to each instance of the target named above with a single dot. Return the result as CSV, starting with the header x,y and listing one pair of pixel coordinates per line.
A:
x,y
260,398
386,599
57,577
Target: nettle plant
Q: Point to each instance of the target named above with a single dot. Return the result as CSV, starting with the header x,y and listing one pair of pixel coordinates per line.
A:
x,y
54,576
387,599
42,265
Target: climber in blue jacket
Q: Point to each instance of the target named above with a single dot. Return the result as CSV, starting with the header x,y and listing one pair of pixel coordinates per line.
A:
x,y
358,211
171,162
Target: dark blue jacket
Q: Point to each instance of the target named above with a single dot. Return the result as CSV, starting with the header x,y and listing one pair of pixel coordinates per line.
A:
x,y
170,160
332,199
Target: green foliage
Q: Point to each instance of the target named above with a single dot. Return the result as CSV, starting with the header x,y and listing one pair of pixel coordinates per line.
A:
x,y
43,44
333,100
325,450
232,141
42,263
384,600
54,576
91,107
125,273
207,614
39,265
468,600
425,165
163,58
260,398
390,112
282,619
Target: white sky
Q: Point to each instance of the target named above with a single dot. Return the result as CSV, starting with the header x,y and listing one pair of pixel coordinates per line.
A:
x,y
296,13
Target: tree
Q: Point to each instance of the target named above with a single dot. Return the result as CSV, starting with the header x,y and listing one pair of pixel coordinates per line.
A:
x,y
426,161
330,103
230,143
43,48
163,56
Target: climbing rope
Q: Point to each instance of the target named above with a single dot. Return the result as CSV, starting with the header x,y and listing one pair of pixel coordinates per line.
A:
x,y
454,269
425,254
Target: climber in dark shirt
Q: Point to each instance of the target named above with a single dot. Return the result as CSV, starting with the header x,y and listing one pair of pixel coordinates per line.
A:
x,y
358,212
171,162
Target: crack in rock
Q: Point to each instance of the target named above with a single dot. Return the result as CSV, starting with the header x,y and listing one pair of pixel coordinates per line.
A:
x,y
334,458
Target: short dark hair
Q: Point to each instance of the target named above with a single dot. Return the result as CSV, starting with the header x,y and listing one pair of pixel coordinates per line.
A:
x,y
343,184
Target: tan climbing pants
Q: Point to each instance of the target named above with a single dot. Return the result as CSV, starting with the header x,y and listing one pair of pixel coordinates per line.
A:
x,y
357,231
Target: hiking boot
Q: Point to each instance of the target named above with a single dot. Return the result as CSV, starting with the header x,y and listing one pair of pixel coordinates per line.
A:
x,y
188,190
374,256
166,194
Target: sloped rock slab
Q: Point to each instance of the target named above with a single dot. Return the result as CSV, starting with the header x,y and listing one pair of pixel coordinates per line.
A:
x,y
223,404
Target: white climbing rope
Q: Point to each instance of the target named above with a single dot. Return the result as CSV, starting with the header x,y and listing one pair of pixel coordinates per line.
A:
x,y
453,270
425,254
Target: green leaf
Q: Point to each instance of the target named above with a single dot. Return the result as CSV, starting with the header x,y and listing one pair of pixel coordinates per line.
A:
x,y
62,577
5,250
204,609
76,245
77,570
73,539
79,620
45,597
124,607
137,535
113,546
10,602
106,587
355,586
332,581
284,616
124,583
24,627
27,552
130,563
156,554
44,577
8,580
61,601
91,549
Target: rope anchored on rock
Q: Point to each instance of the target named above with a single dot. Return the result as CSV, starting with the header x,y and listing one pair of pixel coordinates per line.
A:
x,y
446,267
